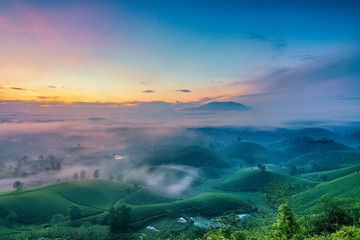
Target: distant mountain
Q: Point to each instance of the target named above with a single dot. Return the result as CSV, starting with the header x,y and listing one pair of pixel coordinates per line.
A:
x,y
221,106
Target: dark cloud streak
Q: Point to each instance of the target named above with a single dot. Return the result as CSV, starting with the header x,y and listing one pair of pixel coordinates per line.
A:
x,y
183,90
19,89
148,91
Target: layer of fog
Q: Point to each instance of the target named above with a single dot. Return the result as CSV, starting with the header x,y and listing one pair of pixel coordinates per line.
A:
x,y
116,142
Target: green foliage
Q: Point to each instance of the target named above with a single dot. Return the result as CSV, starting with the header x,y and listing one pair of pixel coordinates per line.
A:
x,y
238,235
231,221
58,220
247,179
119,218
332,174
318,161
96,173
286,226
12,216
343,187
262,167
205,203
346,233
76,176
332,216
18,186
277,193
82,174
74,212
293,171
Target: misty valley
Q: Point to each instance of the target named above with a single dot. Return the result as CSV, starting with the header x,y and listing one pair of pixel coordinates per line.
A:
x,y
179,120
114,182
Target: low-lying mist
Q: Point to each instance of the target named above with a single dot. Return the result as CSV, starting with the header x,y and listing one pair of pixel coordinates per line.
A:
x,y
169,157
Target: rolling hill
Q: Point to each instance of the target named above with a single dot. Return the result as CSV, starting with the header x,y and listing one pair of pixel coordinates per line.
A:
x,y
254,179
244,149
194,156
332,174
347,186
298,149
221,106
95,197
323,161
39,204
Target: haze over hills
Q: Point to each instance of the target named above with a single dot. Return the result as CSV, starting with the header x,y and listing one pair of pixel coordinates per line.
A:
x,y
221,106
174,120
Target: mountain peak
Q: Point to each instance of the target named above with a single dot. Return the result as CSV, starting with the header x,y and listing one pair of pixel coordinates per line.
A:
x,y
222,106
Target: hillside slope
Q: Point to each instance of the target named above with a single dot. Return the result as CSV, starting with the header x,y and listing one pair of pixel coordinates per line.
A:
x,y
253,179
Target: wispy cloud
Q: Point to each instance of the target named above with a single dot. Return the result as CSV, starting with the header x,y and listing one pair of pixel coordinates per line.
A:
x,y
46,97
50,86
304,57
277,43
183,90
19,89
148,91
351,98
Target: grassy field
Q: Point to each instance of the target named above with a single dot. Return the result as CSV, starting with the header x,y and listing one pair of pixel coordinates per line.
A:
x,y
322,161
97,193
205,203
244,149
195,156
332,174
248,179
95,197
39,204
347,186
306,148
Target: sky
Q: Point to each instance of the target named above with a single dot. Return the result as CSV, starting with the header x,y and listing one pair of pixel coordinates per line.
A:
x,y
279,57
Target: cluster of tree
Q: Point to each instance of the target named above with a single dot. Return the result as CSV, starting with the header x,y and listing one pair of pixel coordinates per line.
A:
x,y
25,167
307,139
82,174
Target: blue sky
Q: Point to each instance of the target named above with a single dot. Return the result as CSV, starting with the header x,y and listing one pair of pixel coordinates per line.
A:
x,y
267,54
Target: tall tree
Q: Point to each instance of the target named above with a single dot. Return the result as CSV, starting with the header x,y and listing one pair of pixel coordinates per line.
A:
x,y
82,174
119,218
96,173
18,186
286,226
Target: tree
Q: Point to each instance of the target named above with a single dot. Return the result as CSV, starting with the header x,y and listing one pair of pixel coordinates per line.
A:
x,y
11,217
96,173
231,221
76,176
277,193
262,167
347,233
74,212
332,216
119,218
58,220
18,186
286,226
293,171
82,174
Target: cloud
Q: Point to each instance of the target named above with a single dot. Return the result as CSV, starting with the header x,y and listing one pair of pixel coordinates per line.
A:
x,y
51,86
142,83
277,43
148,91
45,97
183,90
261,94
304,57
19,89
352,98
318,70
